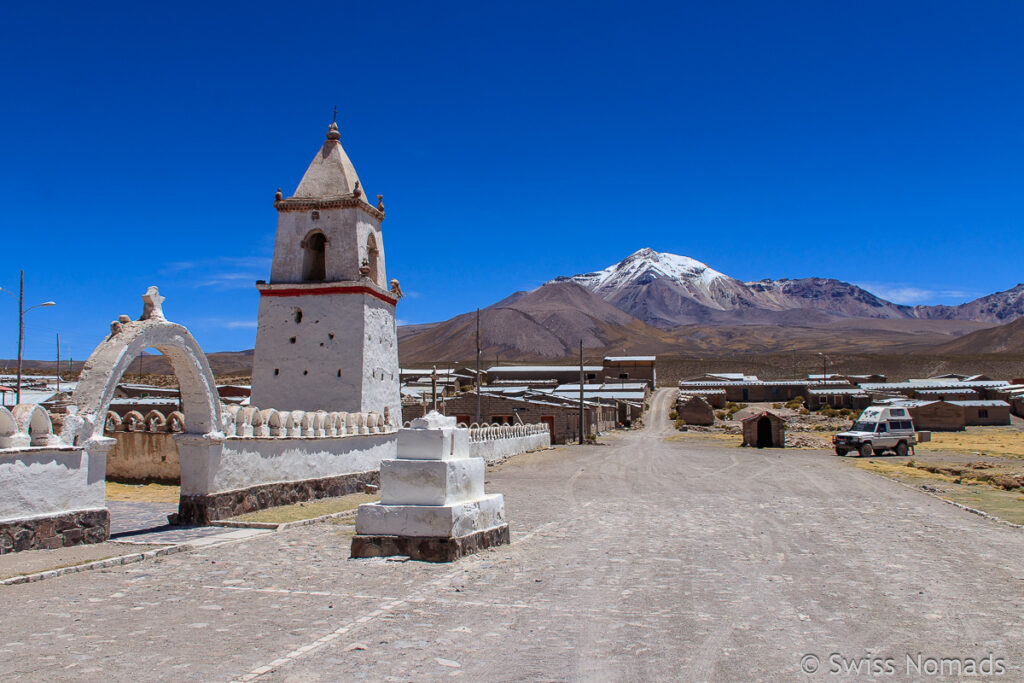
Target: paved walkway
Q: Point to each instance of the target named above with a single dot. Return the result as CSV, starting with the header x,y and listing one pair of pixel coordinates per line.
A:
x,y
132,522
637,560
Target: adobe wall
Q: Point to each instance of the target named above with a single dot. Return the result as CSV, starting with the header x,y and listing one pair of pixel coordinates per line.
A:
x,y
144,456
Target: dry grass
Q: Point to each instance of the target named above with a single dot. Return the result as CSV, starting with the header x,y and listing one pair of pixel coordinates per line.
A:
x,y
308,510
143,493
980,495
1006,442
720,437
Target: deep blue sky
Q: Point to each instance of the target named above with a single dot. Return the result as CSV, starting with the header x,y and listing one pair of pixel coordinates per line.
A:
x,y
874,142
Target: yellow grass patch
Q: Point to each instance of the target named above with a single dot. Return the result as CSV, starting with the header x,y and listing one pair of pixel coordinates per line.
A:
x,y
1004,442
1007,505
143,493
721,437
308,510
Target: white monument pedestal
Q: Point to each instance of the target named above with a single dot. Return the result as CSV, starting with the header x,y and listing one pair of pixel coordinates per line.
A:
x,y
432,506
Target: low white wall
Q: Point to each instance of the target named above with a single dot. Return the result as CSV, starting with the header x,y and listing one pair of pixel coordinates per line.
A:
x,y
37,482
497,449
143,455
246,462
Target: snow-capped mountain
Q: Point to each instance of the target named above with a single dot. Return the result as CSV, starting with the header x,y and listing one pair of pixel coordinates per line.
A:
x,y
668,290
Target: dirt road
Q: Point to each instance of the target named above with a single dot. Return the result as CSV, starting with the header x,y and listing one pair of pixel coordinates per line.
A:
x,y
637,559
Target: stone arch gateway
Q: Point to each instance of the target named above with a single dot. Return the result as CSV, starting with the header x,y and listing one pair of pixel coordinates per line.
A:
x,y
109,361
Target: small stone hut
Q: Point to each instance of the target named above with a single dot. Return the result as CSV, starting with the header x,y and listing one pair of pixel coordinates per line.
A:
x,y
764,430
695,410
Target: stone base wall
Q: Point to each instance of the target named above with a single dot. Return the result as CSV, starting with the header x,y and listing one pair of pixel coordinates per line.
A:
x,y
48,533
205,509
429,549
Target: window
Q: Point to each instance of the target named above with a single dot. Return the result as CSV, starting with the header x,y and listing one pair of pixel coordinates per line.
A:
x,y
591,375
982,412
623,375
314,259
373,256
501,419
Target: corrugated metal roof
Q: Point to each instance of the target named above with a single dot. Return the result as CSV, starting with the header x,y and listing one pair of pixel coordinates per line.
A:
x,y
924,386
630,359
543,368
981,404
837,390
954,390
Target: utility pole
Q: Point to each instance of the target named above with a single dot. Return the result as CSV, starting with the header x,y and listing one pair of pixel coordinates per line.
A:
x,y
581,392
478,366
58,362
433,389
21,326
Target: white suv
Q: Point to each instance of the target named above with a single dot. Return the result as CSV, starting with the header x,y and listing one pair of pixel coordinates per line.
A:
x,y
878,429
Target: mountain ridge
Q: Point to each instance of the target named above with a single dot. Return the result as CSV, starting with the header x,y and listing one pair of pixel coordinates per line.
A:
x,y
668,290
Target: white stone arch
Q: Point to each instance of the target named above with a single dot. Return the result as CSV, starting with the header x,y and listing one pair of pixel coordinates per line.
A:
x,y
10,437
109,361
33,420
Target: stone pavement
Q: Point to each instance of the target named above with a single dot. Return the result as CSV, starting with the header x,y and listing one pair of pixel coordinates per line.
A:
x,y
637,560
132,522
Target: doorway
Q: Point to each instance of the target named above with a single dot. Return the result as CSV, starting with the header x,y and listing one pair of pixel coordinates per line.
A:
x,y
764,433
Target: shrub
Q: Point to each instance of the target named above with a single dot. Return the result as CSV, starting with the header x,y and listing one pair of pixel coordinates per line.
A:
x,y
776,406
804,411
680,425
795,403
673,415
829,411
722,415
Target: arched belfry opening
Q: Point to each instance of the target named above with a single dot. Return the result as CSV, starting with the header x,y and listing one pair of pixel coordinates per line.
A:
x,y
373,256
314,257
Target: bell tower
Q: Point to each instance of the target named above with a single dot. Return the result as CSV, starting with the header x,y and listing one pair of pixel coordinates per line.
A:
x,y
326,337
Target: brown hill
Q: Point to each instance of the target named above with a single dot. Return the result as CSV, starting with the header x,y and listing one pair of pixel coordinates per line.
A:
x,y
546,323
1008,338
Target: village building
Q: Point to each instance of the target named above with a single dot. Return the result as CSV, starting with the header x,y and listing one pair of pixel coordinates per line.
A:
x,y
533,375
853,398
562,416
934,416
630,369
756,391
984,412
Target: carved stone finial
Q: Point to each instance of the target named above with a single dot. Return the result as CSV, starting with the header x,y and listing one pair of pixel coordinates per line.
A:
x,y
124,319
279,196
364,267
332,132
357,191
380,203
152,308
115,327
396,288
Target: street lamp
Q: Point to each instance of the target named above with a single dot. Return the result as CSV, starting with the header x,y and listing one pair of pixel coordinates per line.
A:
x,y
824,367
21,325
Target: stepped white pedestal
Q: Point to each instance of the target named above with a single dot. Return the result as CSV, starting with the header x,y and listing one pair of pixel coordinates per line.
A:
x,y
433,506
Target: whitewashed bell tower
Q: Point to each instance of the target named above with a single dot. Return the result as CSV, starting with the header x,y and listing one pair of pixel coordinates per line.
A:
x,y
326,337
